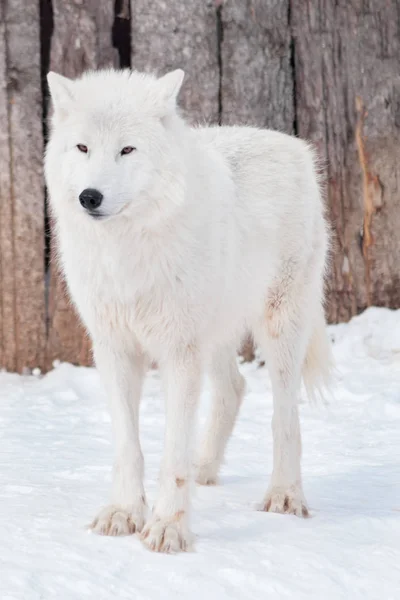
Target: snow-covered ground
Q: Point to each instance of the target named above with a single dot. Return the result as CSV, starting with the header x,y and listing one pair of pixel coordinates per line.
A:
x,y
55,463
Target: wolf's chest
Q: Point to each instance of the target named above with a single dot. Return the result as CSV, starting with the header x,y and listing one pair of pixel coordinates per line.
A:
x,y
149,319
121,298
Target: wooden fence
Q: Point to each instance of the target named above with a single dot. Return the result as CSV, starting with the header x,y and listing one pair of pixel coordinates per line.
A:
x,y
326,70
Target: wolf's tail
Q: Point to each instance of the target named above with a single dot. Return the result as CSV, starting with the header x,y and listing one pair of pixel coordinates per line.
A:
x,y
318,365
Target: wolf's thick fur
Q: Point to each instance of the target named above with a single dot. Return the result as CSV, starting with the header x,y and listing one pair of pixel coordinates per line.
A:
x,y
202,234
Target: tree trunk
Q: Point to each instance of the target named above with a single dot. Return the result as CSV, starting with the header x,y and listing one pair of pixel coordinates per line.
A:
x,y
348,103
22,295
82,39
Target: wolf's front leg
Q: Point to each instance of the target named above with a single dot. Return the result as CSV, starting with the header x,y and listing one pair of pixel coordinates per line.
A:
x,y
122,375
168,527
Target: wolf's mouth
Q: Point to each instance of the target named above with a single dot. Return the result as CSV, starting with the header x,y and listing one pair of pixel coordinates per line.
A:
x,y
96,215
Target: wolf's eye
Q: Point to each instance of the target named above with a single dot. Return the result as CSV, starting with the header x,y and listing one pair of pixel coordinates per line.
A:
x,y
82,148
127,150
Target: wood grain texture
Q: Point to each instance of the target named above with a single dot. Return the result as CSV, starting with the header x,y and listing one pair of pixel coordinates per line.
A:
x,y
171,35
348,103
22,294
328,71
256,72
82,39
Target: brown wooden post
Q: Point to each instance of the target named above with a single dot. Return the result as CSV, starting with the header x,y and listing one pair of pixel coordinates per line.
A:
x,y
172,35
348,102
22,293
256,72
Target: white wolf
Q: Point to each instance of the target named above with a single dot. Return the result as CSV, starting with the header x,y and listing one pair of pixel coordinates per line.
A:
x,y
174,241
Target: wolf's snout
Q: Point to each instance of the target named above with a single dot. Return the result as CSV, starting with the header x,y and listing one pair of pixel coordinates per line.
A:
x,y
90,199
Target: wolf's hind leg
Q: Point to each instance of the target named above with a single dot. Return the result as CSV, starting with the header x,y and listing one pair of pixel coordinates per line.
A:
x,y
284,337
228,387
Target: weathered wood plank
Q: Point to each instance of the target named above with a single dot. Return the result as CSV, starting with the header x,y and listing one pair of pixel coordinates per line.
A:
x,y
82,39
82,36
22,326
348,103
256,72
171,35
7,300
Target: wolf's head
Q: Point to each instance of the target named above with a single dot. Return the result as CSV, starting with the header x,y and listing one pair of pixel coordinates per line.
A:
x,y
115,146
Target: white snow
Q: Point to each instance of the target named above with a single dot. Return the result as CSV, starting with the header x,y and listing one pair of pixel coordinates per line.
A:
x,y
55,466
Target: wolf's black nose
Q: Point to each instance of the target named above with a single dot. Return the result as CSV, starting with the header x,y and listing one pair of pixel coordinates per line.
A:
x,y
90,199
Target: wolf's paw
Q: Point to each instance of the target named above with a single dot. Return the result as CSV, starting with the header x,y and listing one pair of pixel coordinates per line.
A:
x,y
286,501
115,520
207,473
167,535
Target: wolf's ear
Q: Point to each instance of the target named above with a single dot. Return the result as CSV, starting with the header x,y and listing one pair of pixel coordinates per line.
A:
x,y
61,90
170,85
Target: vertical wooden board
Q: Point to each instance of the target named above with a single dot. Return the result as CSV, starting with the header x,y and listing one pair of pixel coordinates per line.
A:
x,y
67,339
7,288
21,189
82,36
257,82
171,35
82,39
347,53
